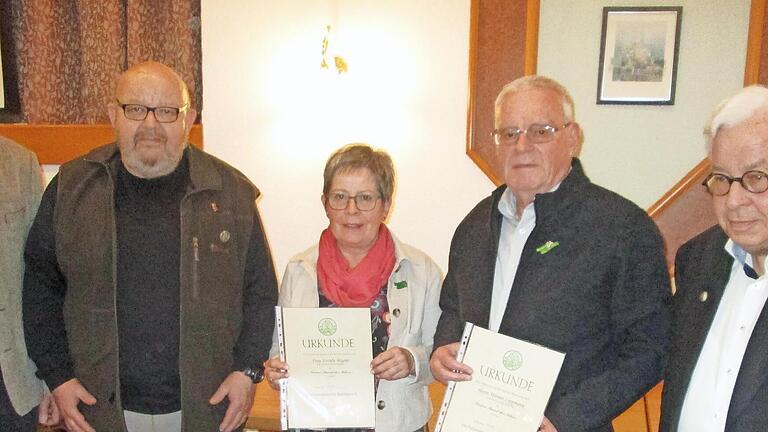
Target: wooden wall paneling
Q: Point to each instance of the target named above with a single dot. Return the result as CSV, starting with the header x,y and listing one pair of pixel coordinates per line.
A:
x,y
503,46
756,69
56,144
684,211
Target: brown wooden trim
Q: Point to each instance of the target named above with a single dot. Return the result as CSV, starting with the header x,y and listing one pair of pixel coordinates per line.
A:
x,y
56,144
474,13
532,36
491,68
754,42
688,181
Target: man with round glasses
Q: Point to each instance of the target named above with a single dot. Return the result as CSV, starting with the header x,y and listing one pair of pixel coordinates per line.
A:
x,y
149,290
553,259
717,375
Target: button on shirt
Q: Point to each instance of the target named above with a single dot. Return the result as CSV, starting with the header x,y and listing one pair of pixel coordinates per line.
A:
x,y
709,393
514,234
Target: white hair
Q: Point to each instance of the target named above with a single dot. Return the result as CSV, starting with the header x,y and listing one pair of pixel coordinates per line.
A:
x,y
538,82
734,110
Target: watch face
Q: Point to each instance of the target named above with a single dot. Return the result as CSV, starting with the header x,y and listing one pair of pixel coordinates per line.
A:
x,y
256,375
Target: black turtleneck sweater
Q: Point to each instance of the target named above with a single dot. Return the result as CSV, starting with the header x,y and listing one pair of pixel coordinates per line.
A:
x,y
148,239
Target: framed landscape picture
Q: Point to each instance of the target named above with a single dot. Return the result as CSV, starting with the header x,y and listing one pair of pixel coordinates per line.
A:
x,y
638,55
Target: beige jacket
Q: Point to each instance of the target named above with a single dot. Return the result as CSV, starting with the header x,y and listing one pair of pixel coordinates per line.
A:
x,y
21,186
402,405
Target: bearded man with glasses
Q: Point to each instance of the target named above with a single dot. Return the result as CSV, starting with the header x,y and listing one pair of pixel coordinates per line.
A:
x,y
554,259
717,378
149,290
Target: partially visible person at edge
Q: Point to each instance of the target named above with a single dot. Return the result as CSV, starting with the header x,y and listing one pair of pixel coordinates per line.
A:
x,y
149,290
358,263
717,377
556,260
21,185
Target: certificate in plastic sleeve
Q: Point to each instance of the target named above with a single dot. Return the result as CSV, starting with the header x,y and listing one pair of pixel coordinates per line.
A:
x,y
512,381
329,352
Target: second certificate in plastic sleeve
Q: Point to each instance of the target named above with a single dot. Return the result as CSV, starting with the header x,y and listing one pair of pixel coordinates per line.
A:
x,y
512,381
329,353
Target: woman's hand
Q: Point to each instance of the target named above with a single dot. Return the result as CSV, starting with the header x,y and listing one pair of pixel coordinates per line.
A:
x,y
274,371
393,364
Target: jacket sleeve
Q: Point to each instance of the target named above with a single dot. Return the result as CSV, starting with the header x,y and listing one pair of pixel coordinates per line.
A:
x,y
259,300
641,324
43,297
451,324
294,278
422,352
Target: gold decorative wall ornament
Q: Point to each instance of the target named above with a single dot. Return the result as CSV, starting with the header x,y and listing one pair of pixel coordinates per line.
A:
x,y
338,62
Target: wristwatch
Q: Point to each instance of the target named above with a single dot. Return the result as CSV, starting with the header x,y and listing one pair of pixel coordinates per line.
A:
x,y
256,375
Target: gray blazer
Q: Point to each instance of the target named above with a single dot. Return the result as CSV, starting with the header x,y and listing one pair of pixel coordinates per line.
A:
x,y
703,265
21,187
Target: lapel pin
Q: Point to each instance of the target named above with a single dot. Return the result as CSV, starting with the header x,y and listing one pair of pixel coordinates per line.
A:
x,y
546,247
401,284
703,296
215,207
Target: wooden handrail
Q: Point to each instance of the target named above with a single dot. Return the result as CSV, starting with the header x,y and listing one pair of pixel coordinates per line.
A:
x,y
687,182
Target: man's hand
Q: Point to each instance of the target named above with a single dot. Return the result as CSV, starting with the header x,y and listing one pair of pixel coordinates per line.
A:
x,y
547,426
239,389
67,396
274,371
48,412
393,364
446,368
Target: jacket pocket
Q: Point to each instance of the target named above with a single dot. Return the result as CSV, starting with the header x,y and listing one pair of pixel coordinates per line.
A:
x,y
11,216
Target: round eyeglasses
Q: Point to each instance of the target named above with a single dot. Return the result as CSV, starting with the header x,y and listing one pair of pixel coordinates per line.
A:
x,y
162,114
720,184
364,201
536,133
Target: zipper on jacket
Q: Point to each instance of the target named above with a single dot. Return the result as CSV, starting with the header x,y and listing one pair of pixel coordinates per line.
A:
x,y
195,261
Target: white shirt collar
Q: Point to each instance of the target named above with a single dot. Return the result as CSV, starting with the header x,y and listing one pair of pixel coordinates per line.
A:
x,y
739,254
508,203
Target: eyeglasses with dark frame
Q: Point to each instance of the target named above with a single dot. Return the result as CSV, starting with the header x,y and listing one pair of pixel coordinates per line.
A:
x,y
536,133
364,201
139,112
720,184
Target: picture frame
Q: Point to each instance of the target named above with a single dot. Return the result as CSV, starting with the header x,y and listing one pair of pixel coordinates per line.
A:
x,y
638,55
10,107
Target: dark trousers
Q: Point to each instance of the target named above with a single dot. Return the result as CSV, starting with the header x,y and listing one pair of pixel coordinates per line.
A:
x,y
14,423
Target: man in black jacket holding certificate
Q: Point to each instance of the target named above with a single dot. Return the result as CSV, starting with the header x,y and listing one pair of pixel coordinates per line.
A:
x,y
555,260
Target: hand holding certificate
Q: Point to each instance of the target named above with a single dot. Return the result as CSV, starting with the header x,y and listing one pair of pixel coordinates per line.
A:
x,y
512,381
330,383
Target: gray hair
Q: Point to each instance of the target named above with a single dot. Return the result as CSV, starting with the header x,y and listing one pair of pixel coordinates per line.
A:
x,y
734,110
537,82
357,156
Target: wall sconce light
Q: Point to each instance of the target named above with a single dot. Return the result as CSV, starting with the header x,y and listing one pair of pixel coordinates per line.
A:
x,y
338,62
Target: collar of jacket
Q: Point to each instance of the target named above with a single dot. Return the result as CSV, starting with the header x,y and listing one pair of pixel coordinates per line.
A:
x,y
202,170
546,204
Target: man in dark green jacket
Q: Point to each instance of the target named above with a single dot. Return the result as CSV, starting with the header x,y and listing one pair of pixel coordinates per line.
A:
x,y
149,287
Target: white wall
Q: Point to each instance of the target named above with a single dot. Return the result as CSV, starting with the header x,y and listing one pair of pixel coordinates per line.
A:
x,y
642,151
270,111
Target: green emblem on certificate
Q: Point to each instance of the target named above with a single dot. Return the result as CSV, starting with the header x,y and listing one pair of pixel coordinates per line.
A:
x,y
512,360
327,327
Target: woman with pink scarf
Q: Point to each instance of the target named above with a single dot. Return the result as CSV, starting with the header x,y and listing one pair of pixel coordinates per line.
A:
x,y
358,262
